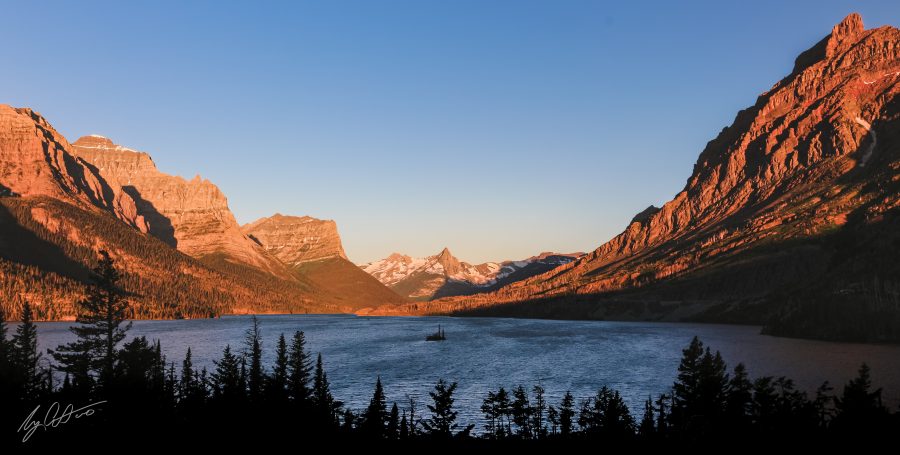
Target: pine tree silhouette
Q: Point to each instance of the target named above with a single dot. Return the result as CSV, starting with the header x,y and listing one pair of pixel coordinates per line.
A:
x,y
647,428
521,412
300,368
101,319
393,425
567,415
326,408
25,356
375,416
277,391
226,380
442,422
253,356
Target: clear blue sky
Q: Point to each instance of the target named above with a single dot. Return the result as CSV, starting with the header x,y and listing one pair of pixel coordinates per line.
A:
x,y
497,128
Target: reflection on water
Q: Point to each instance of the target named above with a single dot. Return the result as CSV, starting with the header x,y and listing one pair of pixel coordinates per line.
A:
x,y
637,358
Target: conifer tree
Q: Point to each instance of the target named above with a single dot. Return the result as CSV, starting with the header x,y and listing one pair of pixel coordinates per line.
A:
x,y
277,384
6,379
647,427
686,390
404,427
253,356
101,319
171,386
859,408
442,422
25,356
375,416
226,380
701,389
300,369
504,412
393,425
348,420
567,415
521,412
242,375
323,402
607,415
553,419
5,347
739,397
413,423
537,412
136,366
161,382
491,416
187,384
662,414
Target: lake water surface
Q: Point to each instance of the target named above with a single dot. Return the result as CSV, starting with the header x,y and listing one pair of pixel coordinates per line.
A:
x,y
481,354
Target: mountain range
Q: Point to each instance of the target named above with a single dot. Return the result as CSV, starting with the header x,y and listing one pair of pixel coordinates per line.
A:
x,y
789,218
443,275
181,251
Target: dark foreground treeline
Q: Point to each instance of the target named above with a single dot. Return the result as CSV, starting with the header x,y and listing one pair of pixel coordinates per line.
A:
x,y
145,401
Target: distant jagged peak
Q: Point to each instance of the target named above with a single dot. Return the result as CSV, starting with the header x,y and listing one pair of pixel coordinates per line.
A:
x,y
444,267
848,28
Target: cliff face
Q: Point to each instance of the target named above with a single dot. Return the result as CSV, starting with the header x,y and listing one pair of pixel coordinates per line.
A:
x,y
816,155
191,215
807,129
35,160
312,248
61,203
294,240
57,210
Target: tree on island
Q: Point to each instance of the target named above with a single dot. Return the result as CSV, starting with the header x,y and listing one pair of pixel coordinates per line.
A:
x,y
101,318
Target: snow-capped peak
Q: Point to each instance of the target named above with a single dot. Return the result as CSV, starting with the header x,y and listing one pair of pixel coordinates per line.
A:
x,y
398,267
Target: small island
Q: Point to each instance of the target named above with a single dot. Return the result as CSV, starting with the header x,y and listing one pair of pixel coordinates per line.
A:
x,y
436,336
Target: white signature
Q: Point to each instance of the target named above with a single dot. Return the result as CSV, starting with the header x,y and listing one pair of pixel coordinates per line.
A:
x,y
55,416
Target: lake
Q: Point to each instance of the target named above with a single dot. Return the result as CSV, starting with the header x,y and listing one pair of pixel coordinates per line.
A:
x,y
482,354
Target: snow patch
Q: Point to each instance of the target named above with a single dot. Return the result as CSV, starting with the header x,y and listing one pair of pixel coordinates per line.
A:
x,y
869,151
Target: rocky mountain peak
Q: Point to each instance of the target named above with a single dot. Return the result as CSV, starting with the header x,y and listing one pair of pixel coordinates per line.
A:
x,y
191,215
815,154
451,265
296,239
848,28
38,161
398,257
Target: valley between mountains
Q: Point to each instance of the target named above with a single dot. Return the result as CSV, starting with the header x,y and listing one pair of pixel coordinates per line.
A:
x,y
790,220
